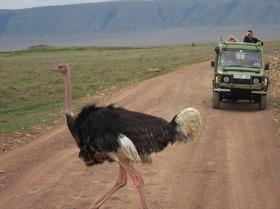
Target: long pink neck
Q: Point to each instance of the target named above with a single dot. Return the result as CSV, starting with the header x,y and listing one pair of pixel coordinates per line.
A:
x,y
68,92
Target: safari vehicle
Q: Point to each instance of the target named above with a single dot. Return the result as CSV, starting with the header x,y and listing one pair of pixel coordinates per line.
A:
x,y
239,74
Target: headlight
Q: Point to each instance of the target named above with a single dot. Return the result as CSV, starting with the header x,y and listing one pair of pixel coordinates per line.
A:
x,y
256,81
226,79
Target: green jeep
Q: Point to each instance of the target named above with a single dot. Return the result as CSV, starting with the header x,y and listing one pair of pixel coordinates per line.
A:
x,y
239,74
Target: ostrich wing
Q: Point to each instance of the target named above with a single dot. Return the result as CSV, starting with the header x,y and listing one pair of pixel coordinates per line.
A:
x,y
148,133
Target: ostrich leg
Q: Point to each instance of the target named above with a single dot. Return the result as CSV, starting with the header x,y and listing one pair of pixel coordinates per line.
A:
x,y
121,181
137,180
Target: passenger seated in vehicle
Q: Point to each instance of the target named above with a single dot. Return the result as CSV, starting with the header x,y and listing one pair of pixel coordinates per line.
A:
x,y
251,63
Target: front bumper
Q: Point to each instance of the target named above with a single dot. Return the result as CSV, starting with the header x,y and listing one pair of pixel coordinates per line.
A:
x,y
240,91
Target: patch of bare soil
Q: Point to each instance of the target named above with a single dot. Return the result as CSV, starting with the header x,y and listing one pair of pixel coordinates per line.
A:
x,y
234,164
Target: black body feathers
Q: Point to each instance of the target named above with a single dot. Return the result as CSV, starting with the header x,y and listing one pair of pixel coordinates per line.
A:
x,y
97,130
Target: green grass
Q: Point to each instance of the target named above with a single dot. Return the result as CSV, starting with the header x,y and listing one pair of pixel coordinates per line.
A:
x,y
30,93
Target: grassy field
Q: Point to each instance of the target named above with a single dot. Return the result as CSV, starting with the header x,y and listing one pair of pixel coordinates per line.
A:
x,y
30,93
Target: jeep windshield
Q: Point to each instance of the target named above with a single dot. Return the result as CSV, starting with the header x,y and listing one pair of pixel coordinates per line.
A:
x,y
240,58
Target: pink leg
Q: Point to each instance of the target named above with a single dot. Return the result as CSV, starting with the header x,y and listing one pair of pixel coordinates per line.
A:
x,y
137,180
121,181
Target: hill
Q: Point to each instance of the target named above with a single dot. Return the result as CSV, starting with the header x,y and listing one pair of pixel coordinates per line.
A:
x,y
138,22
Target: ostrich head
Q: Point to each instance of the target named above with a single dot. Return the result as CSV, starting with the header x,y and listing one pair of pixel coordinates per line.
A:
x,y
63,68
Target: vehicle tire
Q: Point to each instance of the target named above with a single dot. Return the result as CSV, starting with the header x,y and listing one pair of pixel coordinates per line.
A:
x,y
263,103
216,100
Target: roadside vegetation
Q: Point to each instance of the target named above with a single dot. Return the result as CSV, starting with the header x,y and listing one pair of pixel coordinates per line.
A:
x,y
31,94
273,58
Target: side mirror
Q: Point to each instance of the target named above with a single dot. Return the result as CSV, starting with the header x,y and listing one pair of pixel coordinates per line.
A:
x,y
217,49
266,67
212,63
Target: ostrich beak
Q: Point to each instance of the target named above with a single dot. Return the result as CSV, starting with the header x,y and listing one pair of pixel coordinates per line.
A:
x,y
56,68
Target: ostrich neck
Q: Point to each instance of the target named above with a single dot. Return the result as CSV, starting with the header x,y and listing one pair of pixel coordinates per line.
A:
x,y
68,92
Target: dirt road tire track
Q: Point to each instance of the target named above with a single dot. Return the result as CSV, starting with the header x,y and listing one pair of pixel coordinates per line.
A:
x,y
234,164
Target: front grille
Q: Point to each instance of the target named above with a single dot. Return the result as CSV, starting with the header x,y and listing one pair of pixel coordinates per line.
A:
x,y
240,92
241,81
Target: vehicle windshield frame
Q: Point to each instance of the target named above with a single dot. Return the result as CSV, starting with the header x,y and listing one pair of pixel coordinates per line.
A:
x,y
240,58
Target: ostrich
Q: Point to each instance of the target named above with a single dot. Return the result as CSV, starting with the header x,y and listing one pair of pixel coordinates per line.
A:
x,y
114,134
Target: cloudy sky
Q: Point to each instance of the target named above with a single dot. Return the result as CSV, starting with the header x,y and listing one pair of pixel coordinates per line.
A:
x,y
21,4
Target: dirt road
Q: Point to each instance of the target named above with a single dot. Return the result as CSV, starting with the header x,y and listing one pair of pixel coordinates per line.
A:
x,y
234,164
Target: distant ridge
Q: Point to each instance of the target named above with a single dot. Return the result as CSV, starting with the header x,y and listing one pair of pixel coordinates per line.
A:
x,y
138,22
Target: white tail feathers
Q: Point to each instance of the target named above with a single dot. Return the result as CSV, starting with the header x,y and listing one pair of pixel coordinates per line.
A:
x,y
188,123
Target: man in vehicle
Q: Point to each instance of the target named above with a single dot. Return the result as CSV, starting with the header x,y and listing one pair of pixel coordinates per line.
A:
x,y
250,39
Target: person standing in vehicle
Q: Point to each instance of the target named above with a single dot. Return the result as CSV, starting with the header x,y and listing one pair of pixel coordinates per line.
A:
x,y
250,39
231,38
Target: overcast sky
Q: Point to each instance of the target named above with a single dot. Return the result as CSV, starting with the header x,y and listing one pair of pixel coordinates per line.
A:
x,y
21,4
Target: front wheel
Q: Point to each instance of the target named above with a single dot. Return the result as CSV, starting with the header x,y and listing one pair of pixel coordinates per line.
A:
x,y
263,102
216,100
